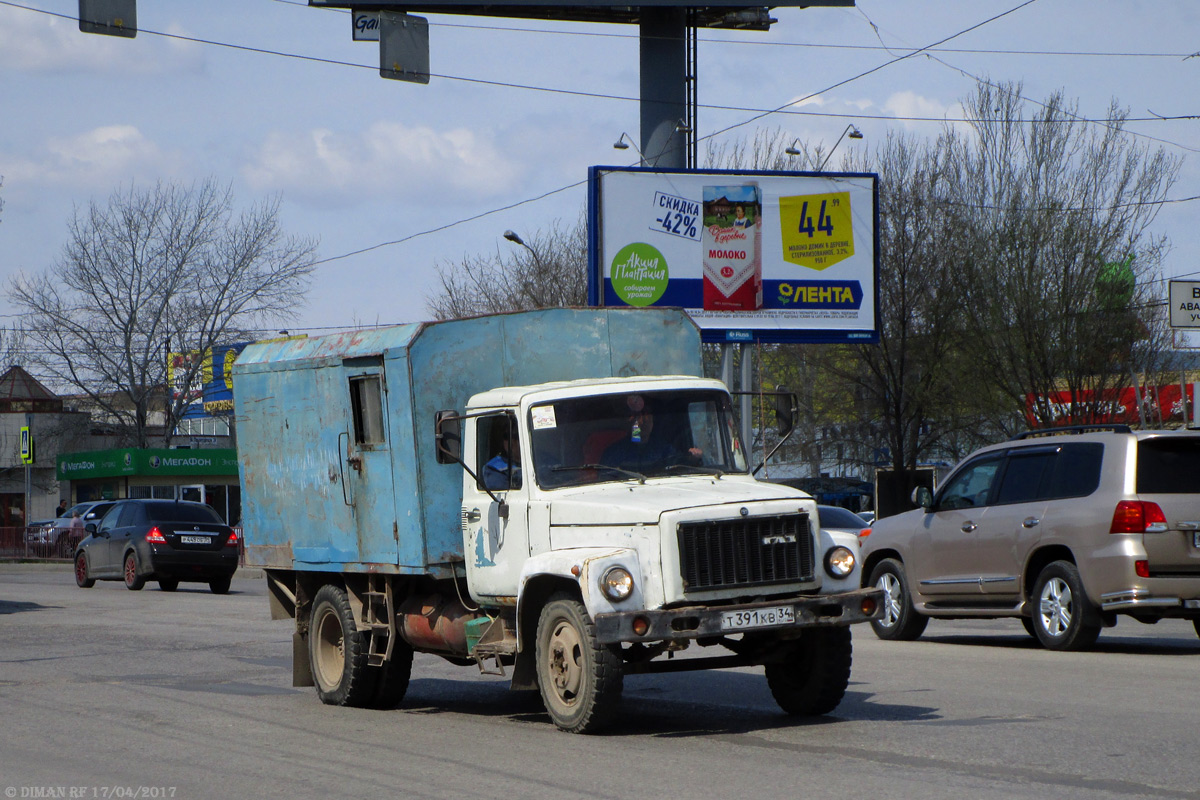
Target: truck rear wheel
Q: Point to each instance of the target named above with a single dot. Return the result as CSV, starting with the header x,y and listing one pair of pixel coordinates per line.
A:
x,y
337,651
392,679
812,679
580,680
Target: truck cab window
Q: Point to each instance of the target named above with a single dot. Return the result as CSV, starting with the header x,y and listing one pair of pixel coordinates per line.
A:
x,y
616,436
498,451
366,404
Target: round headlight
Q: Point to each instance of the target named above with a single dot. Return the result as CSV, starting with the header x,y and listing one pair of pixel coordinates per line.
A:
x,y
839,562
617,584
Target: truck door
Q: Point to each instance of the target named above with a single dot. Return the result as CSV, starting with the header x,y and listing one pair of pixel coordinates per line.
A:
x,y
368,466
496,547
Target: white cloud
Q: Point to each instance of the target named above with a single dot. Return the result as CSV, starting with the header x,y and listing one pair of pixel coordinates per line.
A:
x,y
389,159
35,42
95,160
910,104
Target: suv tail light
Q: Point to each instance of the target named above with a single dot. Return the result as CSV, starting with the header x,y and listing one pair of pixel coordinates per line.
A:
x,y
1138,516
155,536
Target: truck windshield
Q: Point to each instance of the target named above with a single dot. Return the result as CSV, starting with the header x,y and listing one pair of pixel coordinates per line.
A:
x,y
619,437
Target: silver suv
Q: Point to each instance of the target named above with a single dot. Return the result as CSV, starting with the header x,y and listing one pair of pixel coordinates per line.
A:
x,y
1063,528
54,538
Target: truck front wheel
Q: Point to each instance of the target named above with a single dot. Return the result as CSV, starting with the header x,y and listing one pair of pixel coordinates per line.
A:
x,y
337,651
812,678
579,679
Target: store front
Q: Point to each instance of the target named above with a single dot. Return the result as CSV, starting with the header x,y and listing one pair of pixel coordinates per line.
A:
x,y
209,476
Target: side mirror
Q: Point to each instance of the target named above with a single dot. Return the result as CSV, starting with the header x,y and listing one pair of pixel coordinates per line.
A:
x,y
448,433
785,403
90,528
921,497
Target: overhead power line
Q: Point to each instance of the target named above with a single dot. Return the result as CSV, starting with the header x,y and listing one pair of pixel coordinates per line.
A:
x,y
757,113
760,112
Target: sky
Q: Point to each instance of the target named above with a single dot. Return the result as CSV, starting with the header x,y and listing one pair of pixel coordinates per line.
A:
x,y
273,98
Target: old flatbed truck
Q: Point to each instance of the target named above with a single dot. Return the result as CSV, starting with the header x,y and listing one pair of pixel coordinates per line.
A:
x,y
365,501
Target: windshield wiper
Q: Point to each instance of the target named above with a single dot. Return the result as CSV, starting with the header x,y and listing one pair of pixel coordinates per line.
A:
x,y
697,468
639,476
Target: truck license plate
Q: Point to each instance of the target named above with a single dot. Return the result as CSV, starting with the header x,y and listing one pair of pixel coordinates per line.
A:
x,y
757,618
195,539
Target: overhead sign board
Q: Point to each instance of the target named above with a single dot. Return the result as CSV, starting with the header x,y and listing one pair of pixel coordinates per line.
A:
x,y
364,26
403,47
1185,304
109,17
751,256
742,14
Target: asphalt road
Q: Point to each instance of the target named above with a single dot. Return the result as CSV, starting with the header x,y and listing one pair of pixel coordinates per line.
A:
x,y
108,693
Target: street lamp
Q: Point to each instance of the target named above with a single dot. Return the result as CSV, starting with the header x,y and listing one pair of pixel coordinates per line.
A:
x,y
513,237
854,132
620,144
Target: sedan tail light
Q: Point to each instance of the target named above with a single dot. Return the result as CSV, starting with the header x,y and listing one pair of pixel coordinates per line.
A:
x,y
155,536
1138,516
232,541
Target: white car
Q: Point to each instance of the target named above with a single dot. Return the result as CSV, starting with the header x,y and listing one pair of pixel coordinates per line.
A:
x,y
841,527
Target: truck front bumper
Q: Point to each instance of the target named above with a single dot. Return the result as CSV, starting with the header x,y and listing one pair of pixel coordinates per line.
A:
x,y
696,622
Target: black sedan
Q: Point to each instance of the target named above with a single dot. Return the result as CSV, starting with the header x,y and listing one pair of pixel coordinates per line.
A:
x,y
164,540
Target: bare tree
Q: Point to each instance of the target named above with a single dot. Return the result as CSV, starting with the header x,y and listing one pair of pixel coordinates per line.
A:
x,y
916,379
151,272
900,395
1059,275
548,270
14,349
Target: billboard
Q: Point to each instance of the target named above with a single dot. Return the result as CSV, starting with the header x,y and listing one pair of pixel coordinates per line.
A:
x,y
218,385
146,463
751,256
1160,405
735,14
1184,303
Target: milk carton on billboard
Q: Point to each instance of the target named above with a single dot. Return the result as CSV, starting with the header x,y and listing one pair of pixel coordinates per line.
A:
x,y
732,246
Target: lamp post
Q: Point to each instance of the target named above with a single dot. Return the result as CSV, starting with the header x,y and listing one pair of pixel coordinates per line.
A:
x,y
513,237
623,143
854,132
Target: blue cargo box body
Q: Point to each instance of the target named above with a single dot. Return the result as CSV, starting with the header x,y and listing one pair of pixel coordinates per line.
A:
x,y
305,508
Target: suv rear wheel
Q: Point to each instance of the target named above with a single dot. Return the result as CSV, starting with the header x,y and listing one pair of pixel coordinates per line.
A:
x,y
1060,607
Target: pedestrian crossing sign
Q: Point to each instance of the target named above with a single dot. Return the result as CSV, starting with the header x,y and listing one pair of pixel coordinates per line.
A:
x,y
26,445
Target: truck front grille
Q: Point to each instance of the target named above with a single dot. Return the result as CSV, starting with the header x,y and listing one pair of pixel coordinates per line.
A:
x,y
756,551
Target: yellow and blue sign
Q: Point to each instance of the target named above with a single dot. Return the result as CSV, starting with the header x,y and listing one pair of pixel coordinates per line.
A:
x,y
809,244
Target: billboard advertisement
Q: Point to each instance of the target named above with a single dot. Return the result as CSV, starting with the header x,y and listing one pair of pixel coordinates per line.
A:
x,y
1160,405
751,256
218,384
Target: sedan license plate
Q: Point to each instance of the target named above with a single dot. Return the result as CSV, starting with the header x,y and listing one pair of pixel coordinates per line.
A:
x,y
195,540
758,618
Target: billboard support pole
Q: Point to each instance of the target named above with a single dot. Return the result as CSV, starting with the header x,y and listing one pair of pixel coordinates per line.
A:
x,y
747,401
746,384
663,64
